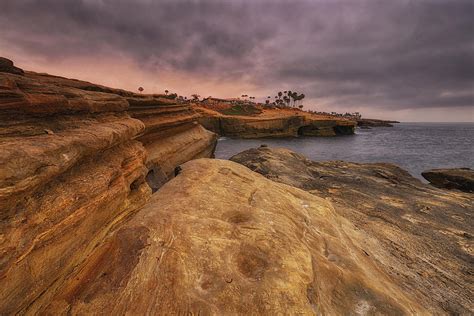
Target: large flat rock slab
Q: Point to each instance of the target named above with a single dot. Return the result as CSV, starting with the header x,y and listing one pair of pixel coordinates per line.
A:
x,y
419,235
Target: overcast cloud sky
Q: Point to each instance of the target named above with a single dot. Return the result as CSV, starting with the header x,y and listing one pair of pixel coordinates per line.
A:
x,y
407,60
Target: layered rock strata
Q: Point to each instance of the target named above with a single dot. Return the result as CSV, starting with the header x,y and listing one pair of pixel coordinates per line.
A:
x,y
284,125
81,232
418,236
72,169
172,136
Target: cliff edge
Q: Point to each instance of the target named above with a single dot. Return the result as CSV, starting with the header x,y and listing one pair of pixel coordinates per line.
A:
x,y
74,164
95,218
274,123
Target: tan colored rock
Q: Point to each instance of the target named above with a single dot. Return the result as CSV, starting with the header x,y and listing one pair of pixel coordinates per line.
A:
x,y
172,136
420,236
55,227
220,239
274,123
30,157
72,169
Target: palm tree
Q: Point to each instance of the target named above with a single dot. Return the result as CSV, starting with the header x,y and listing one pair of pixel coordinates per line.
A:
x,y
195,96
166,92
140,89
289,95
294,96
302,96
280,94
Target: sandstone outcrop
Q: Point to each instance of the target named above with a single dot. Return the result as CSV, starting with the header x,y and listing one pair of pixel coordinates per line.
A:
x,y
81,232
419,236
458,178
220,239
274,123
172,136
72,168
375,123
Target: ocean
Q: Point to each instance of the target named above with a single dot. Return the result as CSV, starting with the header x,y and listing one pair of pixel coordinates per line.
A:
x,y
415,147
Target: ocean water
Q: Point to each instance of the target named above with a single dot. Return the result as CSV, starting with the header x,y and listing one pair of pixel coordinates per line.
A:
x,y
415,147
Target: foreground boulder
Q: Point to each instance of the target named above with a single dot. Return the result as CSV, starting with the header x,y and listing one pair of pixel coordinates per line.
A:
x,y
419,236
220,239
460,179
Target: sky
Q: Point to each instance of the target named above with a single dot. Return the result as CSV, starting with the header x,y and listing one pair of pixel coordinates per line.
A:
x,y
409,60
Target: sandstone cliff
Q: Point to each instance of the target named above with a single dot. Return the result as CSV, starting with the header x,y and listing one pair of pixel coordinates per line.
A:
x,y
418,236
74,165
81,232
274,123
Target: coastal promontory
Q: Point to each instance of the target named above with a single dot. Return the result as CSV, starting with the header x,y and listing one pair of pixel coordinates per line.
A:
x,y
111,203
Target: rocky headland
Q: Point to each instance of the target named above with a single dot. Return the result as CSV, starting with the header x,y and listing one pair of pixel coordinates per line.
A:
x,y
96,218
274,123
368,123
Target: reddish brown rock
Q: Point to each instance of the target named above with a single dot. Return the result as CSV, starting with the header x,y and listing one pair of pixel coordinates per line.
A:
x,y
72,169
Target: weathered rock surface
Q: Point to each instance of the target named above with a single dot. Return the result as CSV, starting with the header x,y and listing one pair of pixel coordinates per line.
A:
x,y
6,65
81,233
285,123
72,169
418,236
220,239
172,136
458,178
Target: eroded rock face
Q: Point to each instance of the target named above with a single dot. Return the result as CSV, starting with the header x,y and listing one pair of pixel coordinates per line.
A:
x,y
460,178
286,124
417,235
220,239
73,169
172,136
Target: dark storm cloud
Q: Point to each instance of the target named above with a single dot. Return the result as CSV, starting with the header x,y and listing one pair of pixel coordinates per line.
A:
x,y
394,54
